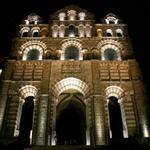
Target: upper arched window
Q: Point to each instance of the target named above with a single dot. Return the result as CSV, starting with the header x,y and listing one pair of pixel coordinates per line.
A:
x,y
33,54
119,33
72,32
72,52
110,54
24,32
81,16
62,16
111,19
35,33
109,32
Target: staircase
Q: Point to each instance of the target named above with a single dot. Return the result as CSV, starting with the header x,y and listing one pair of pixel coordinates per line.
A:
x,y
68,148
123,144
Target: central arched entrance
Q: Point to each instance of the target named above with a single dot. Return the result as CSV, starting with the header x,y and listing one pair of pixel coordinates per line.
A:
x,y
71,121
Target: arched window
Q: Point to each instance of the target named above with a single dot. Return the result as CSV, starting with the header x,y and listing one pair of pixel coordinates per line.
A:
x,y
115,118
111,19
110,54
72,52
62,16
25,34
35,34
109,32
33,54
119,33
72,32
81,16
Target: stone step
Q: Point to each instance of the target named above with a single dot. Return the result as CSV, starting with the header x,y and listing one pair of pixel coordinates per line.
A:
x,y
68,148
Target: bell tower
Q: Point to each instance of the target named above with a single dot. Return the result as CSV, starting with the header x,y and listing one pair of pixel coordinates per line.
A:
x,y
72,81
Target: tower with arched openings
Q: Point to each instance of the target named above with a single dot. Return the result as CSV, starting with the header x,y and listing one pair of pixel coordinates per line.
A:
x,y
72,82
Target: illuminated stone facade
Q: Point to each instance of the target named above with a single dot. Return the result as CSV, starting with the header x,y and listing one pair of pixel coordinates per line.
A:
x,y
72,66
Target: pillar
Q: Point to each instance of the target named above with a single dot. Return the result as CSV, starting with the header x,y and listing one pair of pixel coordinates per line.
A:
x,y
100,138
42,120
3,101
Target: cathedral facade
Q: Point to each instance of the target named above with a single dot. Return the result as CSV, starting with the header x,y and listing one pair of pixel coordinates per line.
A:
x,y
72,81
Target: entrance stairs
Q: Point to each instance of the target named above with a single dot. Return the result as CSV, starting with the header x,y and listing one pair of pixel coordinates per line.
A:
x,y
121,144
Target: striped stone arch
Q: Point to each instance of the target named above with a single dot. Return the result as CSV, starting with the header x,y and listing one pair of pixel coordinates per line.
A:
x,y
68,43
35,29
110,44
30,45
27,90
115,91
24,30
24,92
71,83
118,92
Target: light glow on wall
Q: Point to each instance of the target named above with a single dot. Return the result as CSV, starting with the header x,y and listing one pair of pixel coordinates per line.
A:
x,y
145,130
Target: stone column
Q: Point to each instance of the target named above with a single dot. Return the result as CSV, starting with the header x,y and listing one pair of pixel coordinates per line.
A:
x,y
88,117
3,101
42,120
100,138
53,136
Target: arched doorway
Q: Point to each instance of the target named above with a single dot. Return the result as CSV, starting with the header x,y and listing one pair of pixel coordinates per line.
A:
x,y
26,119
71,122
115,118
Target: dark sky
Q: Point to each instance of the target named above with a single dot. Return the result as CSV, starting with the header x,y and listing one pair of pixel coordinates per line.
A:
x,y
135,13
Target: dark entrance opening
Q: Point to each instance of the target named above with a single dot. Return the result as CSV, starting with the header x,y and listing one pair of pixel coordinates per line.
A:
x,y
70,123
115,118
26,119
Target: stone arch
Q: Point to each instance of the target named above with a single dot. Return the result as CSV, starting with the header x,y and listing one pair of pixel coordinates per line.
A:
x,y
71,112
35,31
110,44
115,94
24,31
73,43
119,32
28,90
24,119
109,33
70,99
71,83
33,45
111,19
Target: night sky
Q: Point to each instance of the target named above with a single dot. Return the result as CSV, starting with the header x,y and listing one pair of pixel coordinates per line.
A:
x,y
135,14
